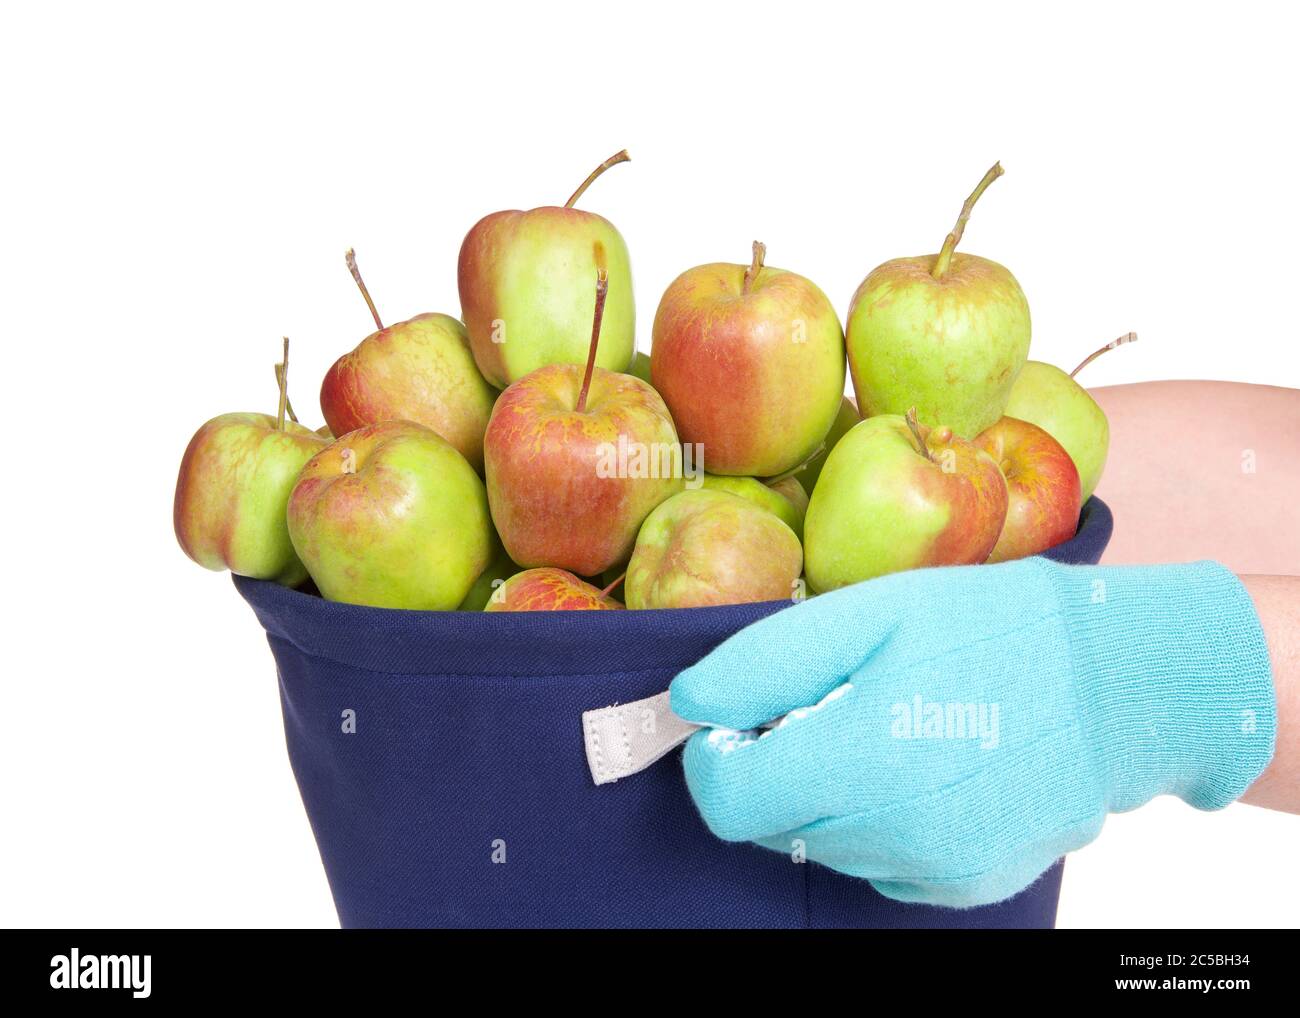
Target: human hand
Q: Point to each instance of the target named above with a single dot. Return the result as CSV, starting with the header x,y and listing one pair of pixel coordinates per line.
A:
x,y
973,724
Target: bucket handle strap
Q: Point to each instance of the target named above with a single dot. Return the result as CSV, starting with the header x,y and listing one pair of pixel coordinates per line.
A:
x,y
626,738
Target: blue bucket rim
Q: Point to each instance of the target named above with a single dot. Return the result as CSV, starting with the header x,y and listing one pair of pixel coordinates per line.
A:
x,y
406,642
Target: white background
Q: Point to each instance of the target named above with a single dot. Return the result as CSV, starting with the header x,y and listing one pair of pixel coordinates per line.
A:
x,y
180,187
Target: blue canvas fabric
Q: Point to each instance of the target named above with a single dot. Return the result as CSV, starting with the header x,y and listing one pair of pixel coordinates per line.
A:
x,y
463,796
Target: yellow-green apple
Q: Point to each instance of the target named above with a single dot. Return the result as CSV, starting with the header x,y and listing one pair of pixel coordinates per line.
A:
x,y
576,459
946,333
391,515
896,495
547,589
750,361
500,568
525,288
784,497
418,370
232,489
1045,395
844,420
1042,488
707,547
641,367
794,492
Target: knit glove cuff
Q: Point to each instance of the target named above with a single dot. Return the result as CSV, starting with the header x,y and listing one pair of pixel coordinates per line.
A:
x,y
1173,682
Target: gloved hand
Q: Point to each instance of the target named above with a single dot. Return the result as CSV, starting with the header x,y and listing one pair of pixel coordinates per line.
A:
x,y
973,724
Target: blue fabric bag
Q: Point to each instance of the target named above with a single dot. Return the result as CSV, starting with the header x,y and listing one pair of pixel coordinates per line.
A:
x,y
463,798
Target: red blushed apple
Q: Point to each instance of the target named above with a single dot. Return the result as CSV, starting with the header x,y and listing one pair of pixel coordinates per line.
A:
x,y
576,461
419,370
750,361
1042,488
541,590
896,495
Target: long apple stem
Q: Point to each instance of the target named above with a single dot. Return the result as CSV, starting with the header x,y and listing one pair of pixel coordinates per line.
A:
x,y
602,285
951,241
755,265
351,258
915,425
614,160
284,387
1128,337
608,590
288,404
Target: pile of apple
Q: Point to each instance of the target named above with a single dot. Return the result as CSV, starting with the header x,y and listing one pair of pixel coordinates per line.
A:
x,y
524,457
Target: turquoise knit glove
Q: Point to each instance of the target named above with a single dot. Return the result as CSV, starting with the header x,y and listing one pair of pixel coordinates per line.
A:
x,y
971,725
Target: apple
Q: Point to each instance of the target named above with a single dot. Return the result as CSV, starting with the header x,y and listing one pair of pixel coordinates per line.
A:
x,y
1045,395
391,515
548,589
1042,488
896,495
750,361
525,288
946,333
844,420
232,489
576,460
792,489
707,547
641,367
784,497
418,370
500,568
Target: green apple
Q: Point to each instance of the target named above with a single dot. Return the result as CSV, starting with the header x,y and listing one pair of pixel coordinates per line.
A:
x,y
895,495
945,333
499,569
525,288
706,547
844,420
232,489
785,498
391,515
1045,395
231,493
641,367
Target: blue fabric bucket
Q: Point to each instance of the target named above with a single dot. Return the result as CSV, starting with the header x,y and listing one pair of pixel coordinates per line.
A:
x,y
463,797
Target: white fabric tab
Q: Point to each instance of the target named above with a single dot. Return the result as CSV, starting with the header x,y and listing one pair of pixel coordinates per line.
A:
x,y
627,738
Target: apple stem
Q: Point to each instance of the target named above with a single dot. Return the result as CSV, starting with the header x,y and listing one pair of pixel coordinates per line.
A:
x,y
283,373
951,241
614,160
608,590
602,285
351,258
755,265
915,425
1128,337
288,404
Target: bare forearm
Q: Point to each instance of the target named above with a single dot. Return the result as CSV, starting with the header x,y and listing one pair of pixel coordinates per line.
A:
x,y
1277,602
1203,470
